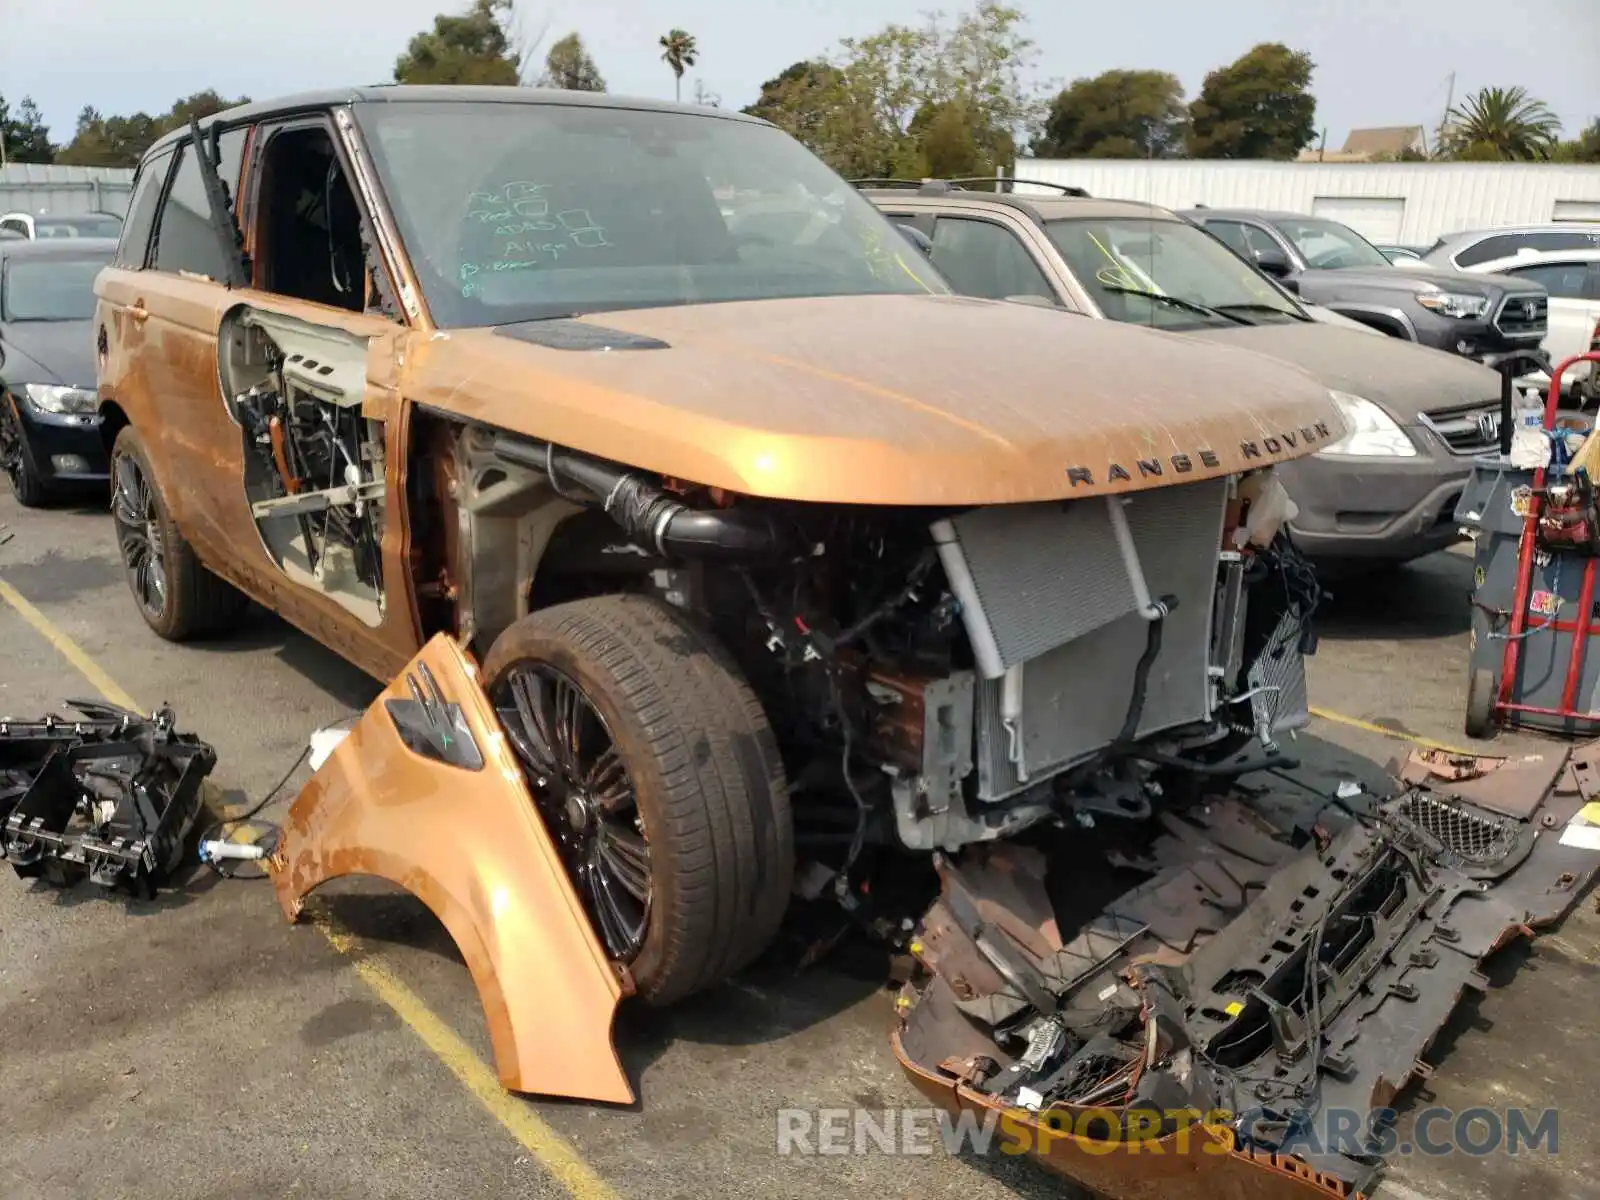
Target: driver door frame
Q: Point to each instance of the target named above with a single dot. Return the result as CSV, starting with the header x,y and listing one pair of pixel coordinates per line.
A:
x,y
384,649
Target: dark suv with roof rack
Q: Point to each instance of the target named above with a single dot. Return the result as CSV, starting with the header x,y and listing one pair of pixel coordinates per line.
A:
x,y
1385,492
1333,265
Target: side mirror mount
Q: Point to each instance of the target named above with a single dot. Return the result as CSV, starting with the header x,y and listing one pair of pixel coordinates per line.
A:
x,y
917,238
1274,262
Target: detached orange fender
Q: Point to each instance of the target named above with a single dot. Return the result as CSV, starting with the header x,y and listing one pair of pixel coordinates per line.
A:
x,y
471,846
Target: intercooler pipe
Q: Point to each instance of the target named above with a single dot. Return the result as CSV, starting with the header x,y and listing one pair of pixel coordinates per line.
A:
x,y
644,510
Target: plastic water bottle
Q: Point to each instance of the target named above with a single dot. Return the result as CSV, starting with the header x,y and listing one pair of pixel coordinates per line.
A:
x,y
1530,446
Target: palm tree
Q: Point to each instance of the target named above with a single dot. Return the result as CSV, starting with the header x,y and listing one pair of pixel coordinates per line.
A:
x,y
678,51
1504,123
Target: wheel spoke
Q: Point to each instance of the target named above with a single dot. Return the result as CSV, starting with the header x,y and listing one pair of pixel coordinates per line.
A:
x,y
530,722
569,717
129,502
626,857
608,781
584,796
607,912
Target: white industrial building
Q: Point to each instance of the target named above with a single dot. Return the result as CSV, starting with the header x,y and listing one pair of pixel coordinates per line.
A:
x,y
1391,203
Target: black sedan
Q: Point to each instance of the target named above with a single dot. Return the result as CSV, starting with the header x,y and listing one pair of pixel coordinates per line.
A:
x,y
49,423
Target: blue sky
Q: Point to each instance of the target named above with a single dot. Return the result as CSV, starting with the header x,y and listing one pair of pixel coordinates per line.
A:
x,y
1377,63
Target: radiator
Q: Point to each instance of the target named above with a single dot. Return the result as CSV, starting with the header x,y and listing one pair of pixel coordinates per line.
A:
x,y
1044,588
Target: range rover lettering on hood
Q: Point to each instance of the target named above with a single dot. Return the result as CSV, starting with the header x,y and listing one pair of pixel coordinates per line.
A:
x,y
1182,464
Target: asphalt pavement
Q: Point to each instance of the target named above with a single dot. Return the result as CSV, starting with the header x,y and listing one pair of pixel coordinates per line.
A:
x,y
199,1047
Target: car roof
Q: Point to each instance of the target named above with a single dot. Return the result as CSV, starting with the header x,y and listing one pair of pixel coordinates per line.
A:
x,y
57,247
407,93
1041,207
1533,258
1258,214
1463,235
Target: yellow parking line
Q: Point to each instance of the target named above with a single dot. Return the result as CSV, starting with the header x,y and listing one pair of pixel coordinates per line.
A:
x,y
1369,727
553,1152
68,649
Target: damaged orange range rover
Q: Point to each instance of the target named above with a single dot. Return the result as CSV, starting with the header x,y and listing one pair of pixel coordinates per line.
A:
x,y
764,541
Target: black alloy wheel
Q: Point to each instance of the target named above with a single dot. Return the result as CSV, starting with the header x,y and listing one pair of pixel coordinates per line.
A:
x,y
139,533
585,795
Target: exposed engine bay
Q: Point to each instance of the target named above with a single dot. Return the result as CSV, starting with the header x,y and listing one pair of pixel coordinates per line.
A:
x,y
938,677
313,462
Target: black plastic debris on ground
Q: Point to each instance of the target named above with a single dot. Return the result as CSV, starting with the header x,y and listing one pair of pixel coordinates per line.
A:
x,y
108,795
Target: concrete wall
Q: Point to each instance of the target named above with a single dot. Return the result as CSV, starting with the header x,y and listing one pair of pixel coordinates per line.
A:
x,y
64,191
1410,203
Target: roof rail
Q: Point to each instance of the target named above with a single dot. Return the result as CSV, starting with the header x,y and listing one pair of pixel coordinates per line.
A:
x,y
921,185
1063,188
939,187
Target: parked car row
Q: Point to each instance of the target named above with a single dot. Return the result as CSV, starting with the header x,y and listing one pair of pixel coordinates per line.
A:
x,y
1386,491
49,407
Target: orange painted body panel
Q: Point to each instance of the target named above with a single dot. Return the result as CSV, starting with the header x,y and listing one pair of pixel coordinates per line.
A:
x,y
470,846
162,371
923,400
1201,1163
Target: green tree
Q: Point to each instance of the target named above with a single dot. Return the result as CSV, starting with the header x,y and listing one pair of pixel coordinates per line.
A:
x,y
100,141
568,66
469,47
1585,148
23,135
1259,106
678,51
889,103
1117,114
1501,124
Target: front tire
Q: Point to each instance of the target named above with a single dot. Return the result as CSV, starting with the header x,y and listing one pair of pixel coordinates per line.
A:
x,y
657,774
177,596
27,485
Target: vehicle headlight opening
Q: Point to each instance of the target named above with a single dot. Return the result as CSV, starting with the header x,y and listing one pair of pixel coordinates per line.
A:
x,y
52,398
1454,304
1373,433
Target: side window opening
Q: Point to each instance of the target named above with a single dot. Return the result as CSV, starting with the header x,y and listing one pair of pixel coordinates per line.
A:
x,y
134,245
984,259
309,242
185,238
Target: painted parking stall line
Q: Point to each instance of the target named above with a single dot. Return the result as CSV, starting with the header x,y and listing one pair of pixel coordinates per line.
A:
x,y
553,1152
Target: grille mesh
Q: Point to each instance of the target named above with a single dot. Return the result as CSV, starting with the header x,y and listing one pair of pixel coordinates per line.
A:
x,y
1476,840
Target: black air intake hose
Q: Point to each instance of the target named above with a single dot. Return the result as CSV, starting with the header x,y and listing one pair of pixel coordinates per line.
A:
x,y
644,511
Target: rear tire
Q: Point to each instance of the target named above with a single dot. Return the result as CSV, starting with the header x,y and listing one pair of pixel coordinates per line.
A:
x,y
706,787
175,594
1481,692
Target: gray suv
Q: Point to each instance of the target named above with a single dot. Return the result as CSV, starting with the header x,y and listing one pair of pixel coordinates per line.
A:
x,y
1333,265
1385,492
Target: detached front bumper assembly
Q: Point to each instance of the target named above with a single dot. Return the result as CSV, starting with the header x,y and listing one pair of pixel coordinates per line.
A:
x,y
109,796
1285,966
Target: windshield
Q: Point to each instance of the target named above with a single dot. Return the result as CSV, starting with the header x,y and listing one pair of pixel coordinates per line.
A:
x,y
1117,259
49,289
1328,245
514,212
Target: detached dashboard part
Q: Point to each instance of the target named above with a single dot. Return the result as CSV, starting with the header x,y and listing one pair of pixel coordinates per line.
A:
x,y
110,796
